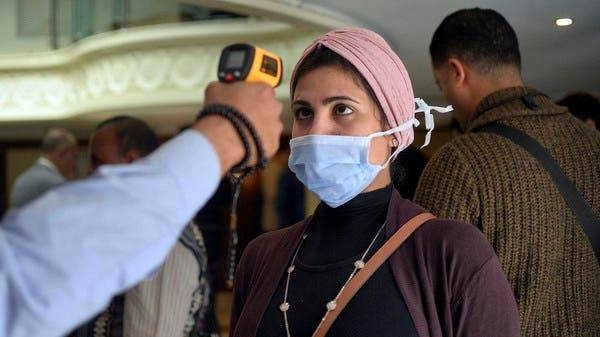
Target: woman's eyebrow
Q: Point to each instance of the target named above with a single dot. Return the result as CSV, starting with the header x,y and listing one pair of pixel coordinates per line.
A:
x,y
337,98
301,102
326,100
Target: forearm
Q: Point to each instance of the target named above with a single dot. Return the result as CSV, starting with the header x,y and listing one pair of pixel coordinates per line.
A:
x,y
224,139
65,255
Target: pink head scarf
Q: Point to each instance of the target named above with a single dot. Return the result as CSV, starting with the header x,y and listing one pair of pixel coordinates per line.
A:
x,y
375,60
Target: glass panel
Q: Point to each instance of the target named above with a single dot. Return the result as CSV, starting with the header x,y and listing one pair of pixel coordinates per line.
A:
x,y
34,18
64,23
37,25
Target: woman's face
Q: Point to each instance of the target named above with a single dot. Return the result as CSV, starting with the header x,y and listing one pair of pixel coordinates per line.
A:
x,y
329,101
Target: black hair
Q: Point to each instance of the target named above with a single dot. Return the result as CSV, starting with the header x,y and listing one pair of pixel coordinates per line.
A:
x,y
583,106
479,37
325,57
132,134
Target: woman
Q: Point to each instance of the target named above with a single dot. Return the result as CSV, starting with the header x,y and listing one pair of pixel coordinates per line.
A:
x,y
354,111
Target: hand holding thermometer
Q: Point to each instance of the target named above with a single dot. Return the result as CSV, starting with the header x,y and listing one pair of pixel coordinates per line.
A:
x,y
244,62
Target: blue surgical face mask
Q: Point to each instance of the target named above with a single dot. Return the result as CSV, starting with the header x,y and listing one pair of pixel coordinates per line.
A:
x,y
337,168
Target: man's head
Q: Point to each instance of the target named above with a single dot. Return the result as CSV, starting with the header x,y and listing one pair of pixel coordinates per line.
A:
x,y
60,147
474,52
121,140
583,106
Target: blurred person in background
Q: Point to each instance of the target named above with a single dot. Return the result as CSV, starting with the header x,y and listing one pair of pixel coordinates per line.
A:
x,y
57,163
173,301
583,106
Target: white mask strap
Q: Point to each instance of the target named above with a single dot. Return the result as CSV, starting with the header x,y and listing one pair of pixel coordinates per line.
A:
x,y
429,122
413,122
406,125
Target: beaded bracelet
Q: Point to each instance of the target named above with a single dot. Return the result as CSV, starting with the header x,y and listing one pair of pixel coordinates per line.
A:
x,y
243,170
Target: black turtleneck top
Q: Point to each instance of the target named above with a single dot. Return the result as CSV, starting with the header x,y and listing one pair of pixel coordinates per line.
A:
x,y
337,237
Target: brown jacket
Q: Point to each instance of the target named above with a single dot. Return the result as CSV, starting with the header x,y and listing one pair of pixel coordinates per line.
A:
x,y
447,272
489,181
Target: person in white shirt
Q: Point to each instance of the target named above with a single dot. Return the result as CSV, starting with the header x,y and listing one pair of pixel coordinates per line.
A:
x,y
66,254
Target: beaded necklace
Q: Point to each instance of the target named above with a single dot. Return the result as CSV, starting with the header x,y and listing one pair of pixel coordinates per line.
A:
x,y
331,305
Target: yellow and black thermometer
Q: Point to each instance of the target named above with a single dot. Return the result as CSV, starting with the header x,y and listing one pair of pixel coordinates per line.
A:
x,y
244,62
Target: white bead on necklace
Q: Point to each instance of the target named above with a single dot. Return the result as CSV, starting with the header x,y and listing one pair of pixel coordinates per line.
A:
x,y
284,307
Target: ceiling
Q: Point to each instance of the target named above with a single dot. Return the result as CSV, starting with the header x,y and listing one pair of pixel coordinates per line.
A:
x,y
556,60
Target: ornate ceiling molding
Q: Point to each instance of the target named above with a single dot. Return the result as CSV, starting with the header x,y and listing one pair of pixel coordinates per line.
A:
x,y
135,69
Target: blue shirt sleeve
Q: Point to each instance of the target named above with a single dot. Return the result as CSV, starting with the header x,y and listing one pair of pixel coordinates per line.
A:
x,y
65,255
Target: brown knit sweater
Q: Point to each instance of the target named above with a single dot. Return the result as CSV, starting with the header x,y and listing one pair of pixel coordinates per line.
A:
x,y
489,181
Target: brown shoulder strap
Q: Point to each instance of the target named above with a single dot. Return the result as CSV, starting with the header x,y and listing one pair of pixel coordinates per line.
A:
x,y
369,269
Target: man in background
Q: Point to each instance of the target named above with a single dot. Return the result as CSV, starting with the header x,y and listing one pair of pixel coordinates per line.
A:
x,y
490,178
174,301
56,164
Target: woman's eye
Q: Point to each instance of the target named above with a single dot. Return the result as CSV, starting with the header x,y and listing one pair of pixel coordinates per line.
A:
x,y
302,114
342,110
